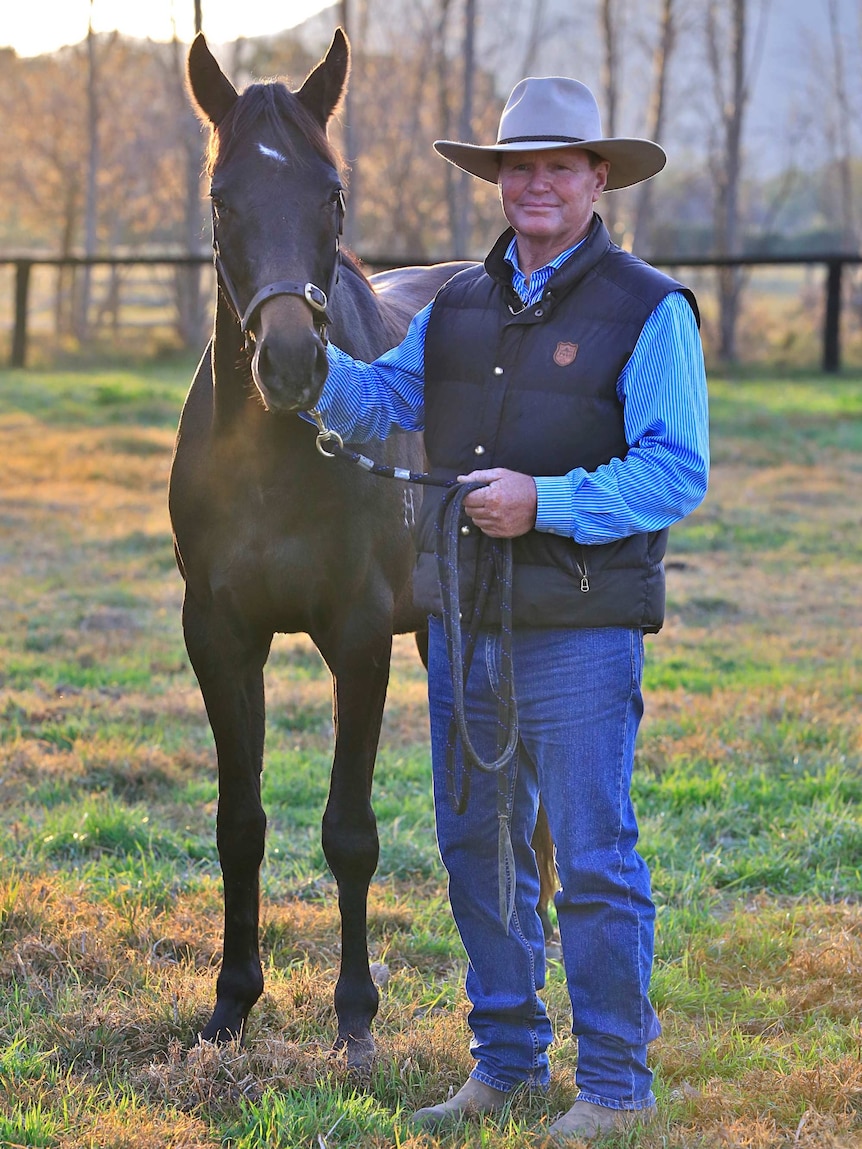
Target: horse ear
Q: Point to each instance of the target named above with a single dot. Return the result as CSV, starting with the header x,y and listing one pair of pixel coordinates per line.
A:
x,y
212,92
325,84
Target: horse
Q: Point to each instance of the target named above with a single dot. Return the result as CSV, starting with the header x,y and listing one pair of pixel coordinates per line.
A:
x,y
269,535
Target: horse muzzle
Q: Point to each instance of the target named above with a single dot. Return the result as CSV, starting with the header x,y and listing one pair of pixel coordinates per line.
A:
x,y
289,365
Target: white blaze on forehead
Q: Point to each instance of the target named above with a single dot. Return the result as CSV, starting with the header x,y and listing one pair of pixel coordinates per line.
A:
x,y
272,153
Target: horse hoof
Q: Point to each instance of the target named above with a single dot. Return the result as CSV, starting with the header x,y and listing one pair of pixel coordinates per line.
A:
x,y
360,1052
223,1028
218,1036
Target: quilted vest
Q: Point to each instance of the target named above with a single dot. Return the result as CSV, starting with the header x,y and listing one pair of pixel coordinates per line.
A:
x,y
533,389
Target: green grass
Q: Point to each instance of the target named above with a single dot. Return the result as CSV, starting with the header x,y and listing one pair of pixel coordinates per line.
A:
x,y
104,397
748,788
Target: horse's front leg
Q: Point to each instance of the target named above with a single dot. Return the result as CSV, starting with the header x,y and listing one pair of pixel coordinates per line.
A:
x,y
359,661
229,667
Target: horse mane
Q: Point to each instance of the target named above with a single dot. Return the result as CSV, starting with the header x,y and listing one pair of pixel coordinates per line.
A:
x,y
274,103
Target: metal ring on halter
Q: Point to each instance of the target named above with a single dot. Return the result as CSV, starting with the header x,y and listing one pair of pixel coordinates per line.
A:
x,y
325,437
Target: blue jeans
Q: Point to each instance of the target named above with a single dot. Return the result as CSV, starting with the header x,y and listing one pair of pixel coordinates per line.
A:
x,y
579,705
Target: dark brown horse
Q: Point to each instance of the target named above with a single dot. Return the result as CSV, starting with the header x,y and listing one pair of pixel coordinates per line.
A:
x,y
271,536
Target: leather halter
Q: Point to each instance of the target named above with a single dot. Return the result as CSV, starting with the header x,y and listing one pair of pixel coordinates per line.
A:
x,y
316,298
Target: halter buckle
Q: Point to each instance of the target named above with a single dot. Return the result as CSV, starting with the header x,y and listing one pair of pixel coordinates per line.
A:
x,y
315,297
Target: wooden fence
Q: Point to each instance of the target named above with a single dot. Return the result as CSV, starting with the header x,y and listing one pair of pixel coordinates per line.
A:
x,y
833,264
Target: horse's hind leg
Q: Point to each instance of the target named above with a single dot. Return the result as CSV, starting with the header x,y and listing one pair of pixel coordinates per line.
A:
x,y
230,673
360,668
543,844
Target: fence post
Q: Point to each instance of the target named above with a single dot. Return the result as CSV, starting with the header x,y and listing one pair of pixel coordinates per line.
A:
x,y
832,318
19,335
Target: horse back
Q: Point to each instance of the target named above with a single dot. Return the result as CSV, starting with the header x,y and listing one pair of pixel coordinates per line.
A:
x,y
403,291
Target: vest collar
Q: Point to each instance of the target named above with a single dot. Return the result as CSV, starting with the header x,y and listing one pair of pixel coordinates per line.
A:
x,y
581,261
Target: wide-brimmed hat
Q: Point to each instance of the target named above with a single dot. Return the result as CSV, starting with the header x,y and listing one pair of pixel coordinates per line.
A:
x,y
556,112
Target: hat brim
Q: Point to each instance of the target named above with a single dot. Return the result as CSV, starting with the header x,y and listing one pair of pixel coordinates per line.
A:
x,y
631,160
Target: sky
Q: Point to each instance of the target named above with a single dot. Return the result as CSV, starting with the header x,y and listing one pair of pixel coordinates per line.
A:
x,y
35,26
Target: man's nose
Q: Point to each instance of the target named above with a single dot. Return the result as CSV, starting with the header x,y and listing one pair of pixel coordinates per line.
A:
x,y
540,178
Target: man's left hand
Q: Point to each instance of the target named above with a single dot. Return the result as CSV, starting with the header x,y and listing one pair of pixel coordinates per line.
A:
x,y
505,508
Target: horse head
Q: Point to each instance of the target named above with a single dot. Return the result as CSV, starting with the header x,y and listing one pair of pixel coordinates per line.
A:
x,y
278,209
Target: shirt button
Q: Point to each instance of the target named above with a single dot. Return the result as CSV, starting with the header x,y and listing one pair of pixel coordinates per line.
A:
x,y
498,370
478,449
465,530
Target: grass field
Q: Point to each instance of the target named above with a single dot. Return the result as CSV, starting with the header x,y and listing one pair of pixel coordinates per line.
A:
x,y
749,790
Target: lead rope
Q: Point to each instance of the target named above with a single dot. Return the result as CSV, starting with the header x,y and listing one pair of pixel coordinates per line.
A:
x,y
494,566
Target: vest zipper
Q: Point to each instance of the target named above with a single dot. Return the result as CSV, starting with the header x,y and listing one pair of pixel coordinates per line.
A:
x,y
585,572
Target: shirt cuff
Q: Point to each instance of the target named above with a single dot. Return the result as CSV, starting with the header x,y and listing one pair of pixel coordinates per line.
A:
x,y
555,502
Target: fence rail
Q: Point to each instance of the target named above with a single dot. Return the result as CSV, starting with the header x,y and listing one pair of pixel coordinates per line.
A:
x,y
833,263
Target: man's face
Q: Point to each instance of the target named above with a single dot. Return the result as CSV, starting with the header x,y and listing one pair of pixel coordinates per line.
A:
x,y
548,196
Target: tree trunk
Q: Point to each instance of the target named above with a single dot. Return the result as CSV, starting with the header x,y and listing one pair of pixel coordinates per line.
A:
x,y
534,38
843,140
462,221
445,113
642,229
609,17
351,141
732,96
82,324
187,280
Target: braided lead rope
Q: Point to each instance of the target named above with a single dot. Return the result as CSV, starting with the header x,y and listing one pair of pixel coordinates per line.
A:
x,y
494,565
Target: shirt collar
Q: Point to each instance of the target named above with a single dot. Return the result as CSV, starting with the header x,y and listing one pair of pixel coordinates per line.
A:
x,y
530,290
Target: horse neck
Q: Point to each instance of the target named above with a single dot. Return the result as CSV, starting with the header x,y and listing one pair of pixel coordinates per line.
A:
x,y
231,375
362,324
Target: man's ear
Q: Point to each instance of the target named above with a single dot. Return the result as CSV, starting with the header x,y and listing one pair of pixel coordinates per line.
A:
x,y
603,171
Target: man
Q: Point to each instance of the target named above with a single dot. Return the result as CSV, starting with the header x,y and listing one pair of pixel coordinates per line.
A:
x,y
572,373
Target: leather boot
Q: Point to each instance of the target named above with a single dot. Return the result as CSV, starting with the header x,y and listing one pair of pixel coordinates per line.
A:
x,y
472,1100
584,1121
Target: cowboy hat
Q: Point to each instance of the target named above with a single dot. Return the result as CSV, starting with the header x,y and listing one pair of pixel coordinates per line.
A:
x,y
555,112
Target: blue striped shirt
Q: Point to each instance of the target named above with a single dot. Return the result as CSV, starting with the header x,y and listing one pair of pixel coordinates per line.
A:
x,y
662,388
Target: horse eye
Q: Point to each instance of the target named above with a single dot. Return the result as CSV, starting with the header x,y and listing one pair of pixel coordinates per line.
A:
x,y
218,203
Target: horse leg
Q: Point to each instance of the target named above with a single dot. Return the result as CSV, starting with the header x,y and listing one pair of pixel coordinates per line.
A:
x,y
543,844
229,669
360,669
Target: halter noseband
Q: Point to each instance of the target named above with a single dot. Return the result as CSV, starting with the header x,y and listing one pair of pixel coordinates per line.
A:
x,y
316,298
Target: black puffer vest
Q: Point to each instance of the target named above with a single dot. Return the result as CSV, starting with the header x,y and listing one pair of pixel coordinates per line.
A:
x,y
534,389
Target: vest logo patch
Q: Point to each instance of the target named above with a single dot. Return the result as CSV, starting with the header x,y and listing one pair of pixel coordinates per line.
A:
x,y
565,354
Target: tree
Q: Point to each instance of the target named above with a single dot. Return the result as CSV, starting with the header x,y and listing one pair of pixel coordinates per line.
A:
x,y
91,205
664,46
842,129
610,20
732,67
461,220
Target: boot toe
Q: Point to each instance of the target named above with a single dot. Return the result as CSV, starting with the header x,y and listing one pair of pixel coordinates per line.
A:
x,y
473,1099
585,1121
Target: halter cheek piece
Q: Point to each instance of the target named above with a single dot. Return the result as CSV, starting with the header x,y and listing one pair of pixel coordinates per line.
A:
x,y
316,298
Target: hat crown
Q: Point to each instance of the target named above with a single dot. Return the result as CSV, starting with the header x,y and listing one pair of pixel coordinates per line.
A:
x,y
555,112
553,108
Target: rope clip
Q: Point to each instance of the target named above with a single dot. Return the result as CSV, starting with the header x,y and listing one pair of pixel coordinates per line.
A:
x,y
325,435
